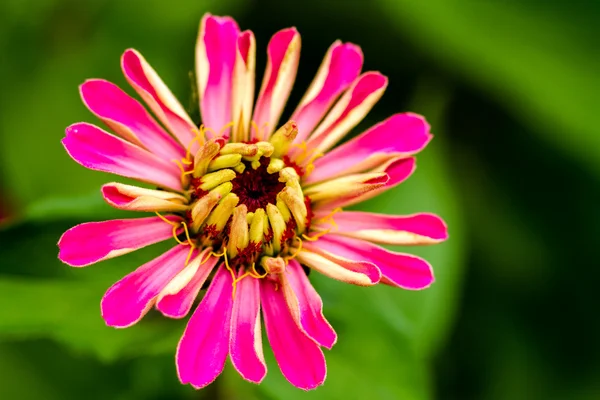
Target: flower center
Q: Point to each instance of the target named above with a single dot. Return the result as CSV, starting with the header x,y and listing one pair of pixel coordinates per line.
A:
x,y
246,202
257,188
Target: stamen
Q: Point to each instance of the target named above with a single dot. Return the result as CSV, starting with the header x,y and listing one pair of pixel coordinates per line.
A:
x,y
187,233
304,151
256,275
330,215
283,137
256,129
291,257
224,128
317,236
238,279
226,161
234,284
210,253
174,232
183,171
187,259
309,168
328,219
166,220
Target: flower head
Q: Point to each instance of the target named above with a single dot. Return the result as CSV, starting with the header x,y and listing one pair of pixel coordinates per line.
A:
x,y
251,205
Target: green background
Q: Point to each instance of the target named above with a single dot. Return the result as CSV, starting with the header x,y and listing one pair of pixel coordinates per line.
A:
x,y
512,91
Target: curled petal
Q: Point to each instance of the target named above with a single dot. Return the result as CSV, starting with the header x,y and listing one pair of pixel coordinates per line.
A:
x,y
128,300
338,267
177,298
416,229
246,341
401,135
352,107
98,150
398,269
203,348
216,51
157,95
397,170
134,198
128,118
283,55
300,359
91,242
339,69
307,307
346,188
243,86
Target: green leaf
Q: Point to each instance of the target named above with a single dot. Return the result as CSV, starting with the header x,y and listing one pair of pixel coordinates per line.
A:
x,y
541,62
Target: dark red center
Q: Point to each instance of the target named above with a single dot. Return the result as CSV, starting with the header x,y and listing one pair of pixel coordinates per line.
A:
x,y
256,187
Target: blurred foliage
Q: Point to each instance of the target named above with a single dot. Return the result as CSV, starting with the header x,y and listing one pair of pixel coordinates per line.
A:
x,y
511,90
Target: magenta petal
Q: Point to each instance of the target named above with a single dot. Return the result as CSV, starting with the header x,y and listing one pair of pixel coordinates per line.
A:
x,y
91,242
403,270
203,348
246,341
398,170
128,300
300,359
336,266
179,304
128,118
157,95
98,150
283,54
392,229
243,86
352,107
400,135
215,60
310,306
341,66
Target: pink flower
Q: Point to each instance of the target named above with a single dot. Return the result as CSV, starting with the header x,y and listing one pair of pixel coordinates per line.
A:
x,y
252,206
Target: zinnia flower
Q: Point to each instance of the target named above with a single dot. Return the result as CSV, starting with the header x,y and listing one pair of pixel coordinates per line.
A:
x,y
253,206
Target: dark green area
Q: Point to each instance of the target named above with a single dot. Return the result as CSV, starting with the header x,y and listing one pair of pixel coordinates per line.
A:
x,y
512,91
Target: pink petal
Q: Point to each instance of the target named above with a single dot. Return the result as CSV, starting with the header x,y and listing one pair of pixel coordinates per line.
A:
x,y
356,272
403,270
339,69
413,229
203,348
309,305
243,86
134,198
300,359
91,242
175,301
128,118
98,150
128,300
345,189
397,169
283,55
400,135
352,107
216,51
157,95
246,340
